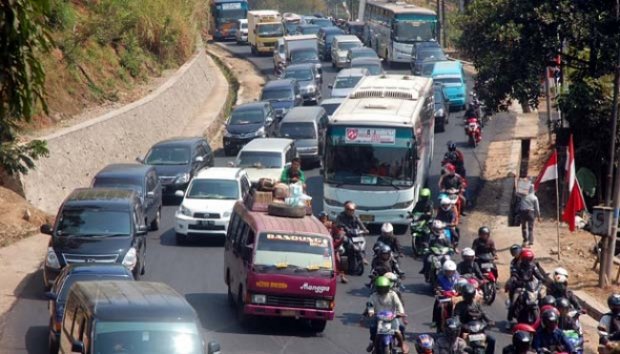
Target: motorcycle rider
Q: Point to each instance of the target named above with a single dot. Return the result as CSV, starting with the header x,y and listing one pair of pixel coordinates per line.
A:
x,y
525,272
609,325
424,344
521,344
438,239
566,321
484,244
385,262
324,219
549,336
452,180
455,157
558,287
515,252
350,221
470,310
450,341
424,204
446,281
447,215
385,299
339,239
468,265
388,238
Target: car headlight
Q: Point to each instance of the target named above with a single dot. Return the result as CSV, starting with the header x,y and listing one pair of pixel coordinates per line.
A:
x,y
259,299
402,205
226,214
51,260
182,178
440,113
131,259
185,211
311,89
260,132
323,304
333,202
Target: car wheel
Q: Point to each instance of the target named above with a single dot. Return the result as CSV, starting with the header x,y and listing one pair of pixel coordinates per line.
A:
x,y
318,326
157,221
181,239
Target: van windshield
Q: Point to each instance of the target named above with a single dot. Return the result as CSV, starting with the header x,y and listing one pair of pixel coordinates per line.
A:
x,y
448,80
260,159
147,337
291,253
93,222
298,130
348,45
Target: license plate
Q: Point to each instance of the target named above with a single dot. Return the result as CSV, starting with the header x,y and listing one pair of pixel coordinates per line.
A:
x,y
477,337
288,313
206,222
486,265
367,218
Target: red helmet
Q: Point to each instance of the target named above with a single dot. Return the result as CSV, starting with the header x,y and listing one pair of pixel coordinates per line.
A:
x,y
523,327
449,168
551,308
527,255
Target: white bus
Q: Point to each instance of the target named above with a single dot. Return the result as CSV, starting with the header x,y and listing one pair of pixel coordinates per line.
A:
x,y
378,148
392,28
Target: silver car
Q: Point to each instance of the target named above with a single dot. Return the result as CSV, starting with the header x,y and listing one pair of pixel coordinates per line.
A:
x,y
373,65
340,47
308,79
346,80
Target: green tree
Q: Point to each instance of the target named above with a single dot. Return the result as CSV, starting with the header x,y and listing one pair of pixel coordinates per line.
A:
x,y
22,38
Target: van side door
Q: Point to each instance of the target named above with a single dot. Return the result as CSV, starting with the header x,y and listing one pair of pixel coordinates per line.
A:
x,y
323,121
232,259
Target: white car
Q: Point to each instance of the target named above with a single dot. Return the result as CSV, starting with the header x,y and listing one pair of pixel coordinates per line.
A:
x,y
346,80
266,157
242,31
209,201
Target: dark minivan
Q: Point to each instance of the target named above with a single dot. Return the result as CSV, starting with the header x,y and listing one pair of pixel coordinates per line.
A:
x,y
326,35
140,178
283,94
248,121
177,160
130,317
307,126
97,225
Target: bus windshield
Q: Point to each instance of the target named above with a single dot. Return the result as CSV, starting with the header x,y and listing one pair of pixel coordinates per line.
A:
x,y
228,12
414,28
293,253
358,155
270,30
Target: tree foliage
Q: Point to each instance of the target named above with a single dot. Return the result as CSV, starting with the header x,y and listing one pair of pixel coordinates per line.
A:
x,y
22,38
302,7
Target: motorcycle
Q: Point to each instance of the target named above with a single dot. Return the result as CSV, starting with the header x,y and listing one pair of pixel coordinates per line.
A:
x,y
473,131
420,234
575,337
385,341
446,300
473,333
489,271
437,256
455,197
355,248
526,305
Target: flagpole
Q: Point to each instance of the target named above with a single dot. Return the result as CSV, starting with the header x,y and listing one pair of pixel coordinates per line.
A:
x,y
557,210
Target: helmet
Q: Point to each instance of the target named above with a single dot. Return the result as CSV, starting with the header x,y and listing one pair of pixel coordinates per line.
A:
x,y
425,193
549,319
547,300
424,344
460,283
387,228
613,301
385,249
522,340
449,266
382,283
523,327
377,247
449,168
453,327
323,214
549,308
515,250
527,255
484,230
560,275
391,276
445,201
451,146
468,252
468,291
562,303
438,225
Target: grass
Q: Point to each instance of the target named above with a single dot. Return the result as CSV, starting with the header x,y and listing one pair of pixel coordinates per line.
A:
x,y
233,87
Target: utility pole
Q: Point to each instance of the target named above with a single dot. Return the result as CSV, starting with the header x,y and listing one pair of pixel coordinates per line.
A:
x,y
611,239
440,25
444,24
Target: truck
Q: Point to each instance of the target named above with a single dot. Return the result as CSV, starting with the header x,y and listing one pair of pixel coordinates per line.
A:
x,y
302,48
264,29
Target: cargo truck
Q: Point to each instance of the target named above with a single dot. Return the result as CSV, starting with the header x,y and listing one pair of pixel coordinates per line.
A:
x,y
264,29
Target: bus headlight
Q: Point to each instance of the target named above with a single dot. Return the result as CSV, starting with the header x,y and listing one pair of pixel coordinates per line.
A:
x,y
259,299
403,205
322,304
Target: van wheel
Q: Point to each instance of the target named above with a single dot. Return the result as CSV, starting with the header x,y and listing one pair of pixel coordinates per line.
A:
x,y
143,267
318,326
181,239
230,297
244,319
157,221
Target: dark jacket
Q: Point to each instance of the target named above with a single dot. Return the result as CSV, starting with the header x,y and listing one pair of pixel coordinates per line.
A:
x,y
423,206
484,247
391,241
525,273
349,222
451,181
552,341
465,267
449,217
381,267
558,291
470,312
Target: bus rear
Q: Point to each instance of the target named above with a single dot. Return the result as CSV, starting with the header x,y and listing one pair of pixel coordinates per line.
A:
x,y
225,14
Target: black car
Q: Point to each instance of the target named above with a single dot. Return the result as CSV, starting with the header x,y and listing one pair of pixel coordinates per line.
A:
x,y
283,94
97,225
308,29
321,22
246,122
421,53
140,178
60,290
356,28
308,79
326,35
442,109
177,160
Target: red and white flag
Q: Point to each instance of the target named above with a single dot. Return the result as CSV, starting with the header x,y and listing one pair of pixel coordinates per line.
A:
x,y
575,201
549,172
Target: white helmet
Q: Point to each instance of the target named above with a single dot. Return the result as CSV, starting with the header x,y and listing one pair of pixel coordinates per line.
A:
x,y
391,276
468,252
560,275
449,266
445,201
438,224
387,228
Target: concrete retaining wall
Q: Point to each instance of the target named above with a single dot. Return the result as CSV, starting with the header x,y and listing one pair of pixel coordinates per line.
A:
x,y
78,152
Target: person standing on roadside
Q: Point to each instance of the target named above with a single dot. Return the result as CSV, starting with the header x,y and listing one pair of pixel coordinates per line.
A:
x,y
529,211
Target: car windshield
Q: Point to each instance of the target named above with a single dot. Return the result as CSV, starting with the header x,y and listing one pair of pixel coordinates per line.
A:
x,y
298,74
373,68
322,22
363,54
119,183
260,159
346,82
431,53
168,155
202,188
92,222
147,337
348,45
410,31
244,26
302,55
70,280
298,130
247,116
270,30
293,254
330,108
277,94
448,80
291,27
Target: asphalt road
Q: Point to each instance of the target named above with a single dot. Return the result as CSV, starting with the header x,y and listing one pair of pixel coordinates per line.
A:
x,y
197,272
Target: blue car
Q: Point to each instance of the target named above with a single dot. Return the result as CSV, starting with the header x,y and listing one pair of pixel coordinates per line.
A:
x,y
450,74
67,277
283,95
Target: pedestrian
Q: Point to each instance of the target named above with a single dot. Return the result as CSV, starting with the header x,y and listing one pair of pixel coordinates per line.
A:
x,y
529,211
